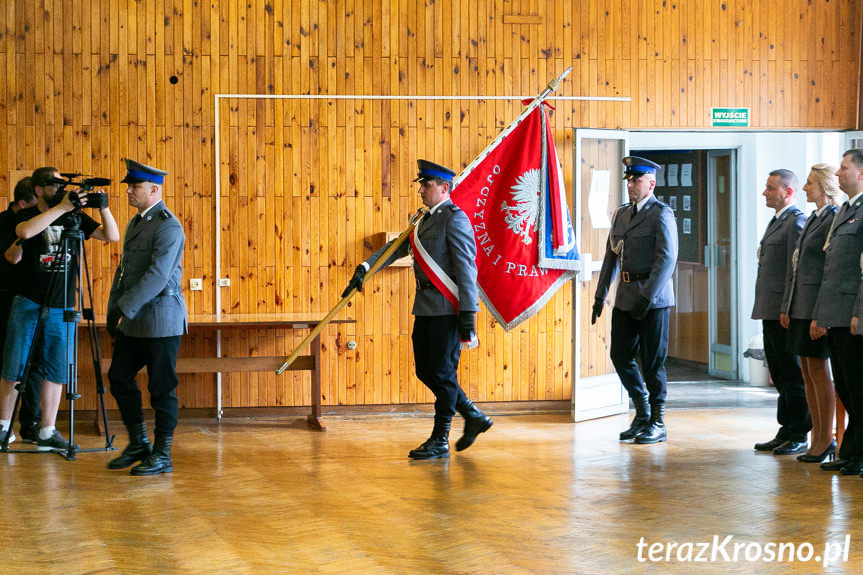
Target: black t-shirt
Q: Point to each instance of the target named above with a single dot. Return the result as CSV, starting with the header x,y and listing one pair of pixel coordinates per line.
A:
x,y
9,274
43,257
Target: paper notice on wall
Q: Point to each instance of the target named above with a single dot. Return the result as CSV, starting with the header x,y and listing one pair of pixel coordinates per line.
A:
x,y
672,175
597,199
660,176
686,175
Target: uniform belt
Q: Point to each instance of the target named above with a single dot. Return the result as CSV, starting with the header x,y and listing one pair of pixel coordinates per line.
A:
x,y
423,284
169,291
633,277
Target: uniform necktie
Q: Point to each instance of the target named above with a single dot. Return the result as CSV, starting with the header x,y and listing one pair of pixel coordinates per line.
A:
x,y
842,211
634,209
136,220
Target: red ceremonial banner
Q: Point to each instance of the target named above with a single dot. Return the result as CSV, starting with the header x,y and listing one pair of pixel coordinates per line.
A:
x,y
501,195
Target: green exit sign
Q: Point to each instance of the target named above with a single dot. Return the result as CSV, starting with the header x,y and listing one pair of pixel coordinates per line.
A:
x,y
730,116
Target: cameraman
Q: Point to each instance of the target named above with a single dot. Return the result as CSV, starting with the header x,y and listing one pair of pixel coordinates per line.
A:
x,y
38,246
10,286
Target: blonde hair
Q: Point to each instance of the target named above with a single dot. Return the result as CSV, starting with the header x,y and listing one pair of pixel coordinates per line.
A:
x,y
825,176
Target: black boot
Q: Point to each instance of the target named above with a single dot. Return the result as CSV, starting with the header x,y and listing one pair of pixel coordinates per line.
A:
x,y
159,461
655,433
640,422
436,446
475,422
137,450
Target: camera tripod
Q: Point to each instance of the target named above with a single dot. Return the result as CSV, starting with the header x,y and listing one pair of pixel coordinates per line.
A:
x,y
66,266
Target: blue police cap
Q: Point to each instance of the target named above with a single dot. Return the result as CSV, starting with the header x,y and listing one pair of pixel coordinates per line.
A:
x,y
137,172
637,167
428,170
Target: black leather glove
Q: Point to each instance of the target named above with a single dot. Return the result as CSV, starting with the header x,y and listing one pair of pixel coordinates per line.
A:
x,y
640,309
113,319
597,310
466,324
356,280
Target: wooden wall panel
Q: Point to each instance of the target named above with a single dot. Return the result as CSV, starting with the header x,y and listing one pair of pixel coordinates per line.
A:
x,y
307,186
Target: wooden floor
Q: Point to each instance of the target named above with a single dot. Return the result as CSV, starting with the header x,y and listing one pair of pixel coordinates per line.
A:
x,y
536,494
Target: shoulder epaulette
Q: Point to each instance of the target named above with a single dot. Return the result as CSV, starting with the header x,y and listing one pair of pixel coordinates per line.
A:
x,y
166,215
454,208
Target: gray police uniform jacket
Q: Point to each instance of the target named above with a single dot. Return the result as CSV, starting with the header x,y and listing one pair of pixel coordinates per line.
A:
x,y
644,244
448,238
840,286
774,262
808,266
146,286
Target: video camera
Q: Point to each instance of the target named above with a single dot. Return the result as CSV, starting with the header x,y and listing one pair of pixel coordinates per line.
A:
x,y
96,200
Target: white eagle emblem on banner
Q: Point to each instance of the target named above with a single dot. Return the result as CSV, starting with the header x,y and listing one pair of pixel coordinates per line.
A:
x,y
521,217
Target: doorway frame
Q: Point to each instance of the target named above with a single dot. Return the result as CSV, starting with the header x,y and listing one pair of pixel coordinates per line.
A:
x,y
713,254
587,391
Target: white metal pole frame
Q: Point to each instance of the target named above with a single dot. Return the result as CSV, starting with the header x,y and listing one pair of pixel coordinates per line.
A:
x,y
217,164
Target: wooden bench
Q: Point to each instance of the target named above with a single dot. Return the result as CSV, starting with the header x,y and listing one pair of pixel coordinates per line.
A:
x,y
220,365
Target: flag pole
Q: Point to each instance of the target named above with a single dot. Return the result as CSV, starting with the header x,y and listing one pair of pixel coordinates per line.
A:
x,y
412,223
551,87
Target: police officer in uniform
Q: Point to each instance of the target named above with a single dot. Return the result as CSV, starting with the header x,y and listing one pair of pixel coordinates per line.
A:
x,y
775,269
447,237
642,245
147,316
837,306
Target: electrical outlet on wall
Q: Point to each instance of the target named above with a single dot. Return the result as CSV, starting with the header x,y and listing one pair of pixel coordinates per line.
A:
x,y
196,284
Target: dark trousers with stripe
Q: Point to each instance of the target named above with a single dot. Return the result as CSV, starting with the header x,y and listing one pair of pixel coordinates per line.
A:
x,y
846,361
159,355
436,354
648,338
792,410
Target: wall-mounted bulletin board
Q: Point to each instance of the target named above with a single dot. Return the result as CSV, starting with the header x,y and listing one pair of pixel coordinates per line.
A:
x,y
680,185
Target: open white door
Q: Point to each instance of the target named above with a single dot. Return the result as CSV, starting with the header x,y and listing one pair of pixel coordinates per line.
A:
x,y
599,189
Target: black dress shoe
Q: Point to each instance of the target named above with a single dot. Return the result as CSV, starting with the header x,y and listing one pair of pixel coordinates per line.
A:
x,y
132,454
473,427
791,447
853,467
159,460
433,448
655,433
638,426
769,445
835,465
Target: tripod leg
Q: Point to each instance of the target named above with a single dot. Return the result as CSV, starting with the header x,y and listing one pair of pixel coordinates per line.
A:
x,y
96,353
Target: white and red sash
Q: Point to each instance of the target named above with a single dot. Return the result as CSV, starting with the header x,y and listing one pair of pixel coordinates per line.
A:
x,y
432,270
